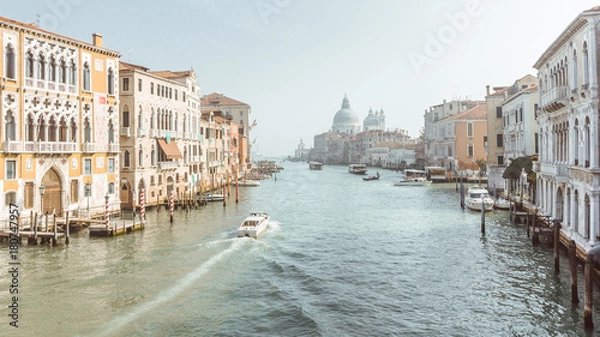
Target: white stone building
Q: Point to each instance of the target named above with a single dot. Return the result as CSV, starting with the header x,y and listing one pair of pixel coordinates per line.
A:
x,y
518,113
568,175
161,141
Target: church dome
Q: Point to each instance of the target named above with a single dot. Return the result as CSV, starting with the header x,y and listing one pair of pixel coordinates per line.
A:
x,y
371,122
346,120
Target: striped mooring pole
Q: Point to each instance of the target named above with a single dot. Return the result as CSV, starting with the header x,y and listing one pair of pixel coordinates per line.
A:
x,y
106,210
142,206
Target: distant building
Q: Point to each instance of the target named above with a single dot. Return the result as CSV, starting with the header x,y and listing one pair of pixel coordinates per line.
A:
x,y
330,148
238,111
374,121
302,152
512,130
465,139
346,120
439,151
346,143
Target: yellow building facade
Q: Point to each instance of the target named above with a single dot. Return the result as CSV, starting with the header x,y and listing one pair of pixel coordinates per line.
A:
x,y
59,127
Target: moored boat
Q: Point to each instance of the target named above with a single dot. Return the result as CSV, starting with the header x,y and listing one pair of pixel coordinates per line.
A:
x,y
357,168
474,197
502,203
315,165
414,178
254,225
248,182
375,177
212,197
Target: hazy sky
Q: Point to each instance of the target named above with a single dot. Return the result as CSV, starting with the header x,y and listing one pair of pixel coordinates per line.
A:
x,y
293,60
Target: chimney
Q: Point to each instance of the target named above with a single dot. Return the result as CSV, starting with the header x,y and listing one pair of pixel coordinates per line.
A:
x,y
487,89
97,40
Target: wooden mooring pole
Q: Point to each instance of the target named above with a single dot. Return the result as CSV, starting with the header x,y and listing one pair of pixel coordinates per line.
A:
x,y
556,247
67,225
588,292
573,270
171,206
482,215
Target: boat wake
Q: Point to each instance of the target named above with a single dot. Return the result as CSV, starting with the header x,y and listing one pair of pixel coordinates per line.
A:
x,y
113,326
274,227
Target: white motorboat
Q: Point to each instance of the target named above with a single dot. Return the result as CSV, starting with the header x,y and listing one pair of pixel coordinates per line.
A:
x,y
414,178
254,225
314,165
474,197
357,168
502,203
212,197
248,183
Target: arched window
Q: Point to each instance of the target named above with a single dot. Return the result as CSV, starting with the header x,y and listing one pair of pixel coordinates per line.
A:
x,y
574,84
87,131
470,150
10,65
111,188
152,119
10,198
52,69
73,130
30,129
41,129
62,72
111,81
126,159
470,130
52,129
141,158
86,76
62,130
72,73
111,132
41,67
125,116
586,70
140,118
29,65
153,156
9,126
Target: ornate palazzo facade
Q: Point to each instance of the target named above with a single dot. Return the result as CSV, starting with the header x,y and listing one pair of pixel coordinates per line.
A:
x,y
568,169
60,115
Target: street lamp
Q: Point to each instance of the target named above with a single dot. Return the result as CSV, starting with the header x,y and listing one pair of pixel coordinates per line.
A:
x,y
42,192
88,192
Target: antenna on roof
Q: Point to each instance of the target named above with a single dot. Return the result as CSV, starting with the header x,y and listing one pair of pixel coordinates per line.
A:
x,y
38,19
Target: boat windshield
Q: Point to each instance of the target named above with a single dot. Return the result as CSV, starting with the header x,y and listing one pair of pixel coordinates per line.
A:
x,y
477,195
250,223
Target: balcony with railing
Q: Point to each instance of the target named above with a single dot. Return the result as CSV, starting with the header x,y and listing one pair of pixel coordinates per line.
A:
x,y
12,146
558,170
555,98
48,147
141,132
113,148
168,165
43,84
126,131
88,147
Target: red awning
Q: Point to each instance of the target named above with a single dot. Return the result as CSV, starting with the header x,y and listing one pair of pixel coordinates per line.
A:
x,y
170,149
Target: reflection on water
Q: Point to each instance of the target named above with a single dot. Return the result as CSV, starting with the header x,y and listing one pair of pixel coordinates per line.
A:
x,y
344,257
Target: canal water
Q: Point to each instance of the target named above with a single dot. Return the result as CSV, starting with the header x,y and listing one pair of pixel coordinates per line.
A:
x,y
344,257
